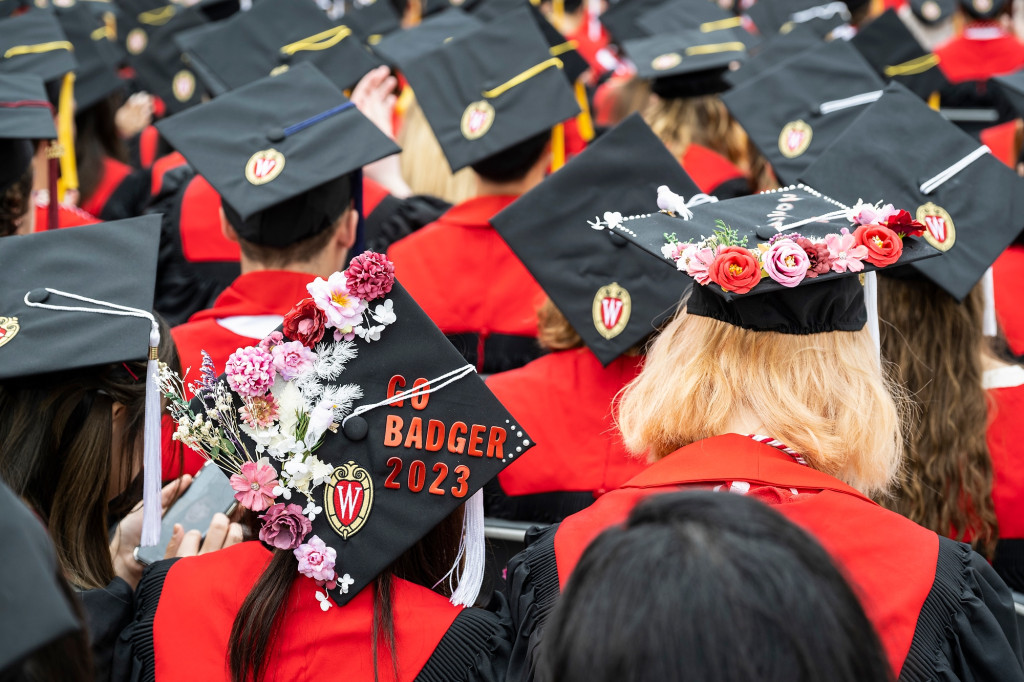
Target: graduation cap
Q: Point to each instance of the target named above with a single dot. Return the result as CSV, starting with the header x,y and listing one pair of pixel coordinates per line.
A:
x,y
149,33
395,433
25,116
971,203
1011,87
781,16
688,63
275,36
96,74
776,50
983,9
793,111
701,15
932,12
893,51
372,20
402,47
491,89
286,170
29,574
605,288
34,42
82,297
777,261
622,18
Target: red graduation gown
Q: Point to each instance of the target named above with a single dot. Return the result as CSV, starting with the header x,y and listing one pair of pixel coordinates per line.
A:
x,y
967,59
114,173
1008,276
196,601
1002,140
67,216
1006,448
713,173
564,400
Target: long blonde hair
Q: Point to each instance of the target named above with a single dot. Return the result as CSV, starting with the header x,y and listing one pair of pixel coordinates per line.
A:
x,y
423,163
680,122
821,394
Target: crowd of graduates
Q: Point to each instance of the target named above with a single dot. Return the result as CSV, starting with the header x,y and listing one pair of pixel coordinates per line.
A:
x,y
517,340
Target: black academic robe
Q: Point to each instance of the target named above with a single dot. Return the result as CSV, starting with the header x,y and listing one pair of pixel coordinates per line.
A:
x,y
108,610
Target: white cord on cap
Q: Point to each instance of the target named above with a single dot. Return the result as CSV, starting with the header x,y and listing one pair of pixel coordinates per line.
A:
x,y
821,12
424,389
835,105
929,186
466,576
989,324
814,219
151,507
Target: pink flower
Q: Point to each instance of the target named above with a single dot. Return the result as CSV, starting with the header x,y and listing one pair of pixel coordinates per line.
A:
x,y
316,559
674,250
818,260
250,372
284,526
343,309
866,214
845,253
696,262
786,262
260,412
370,275
292,359
272,339
255,486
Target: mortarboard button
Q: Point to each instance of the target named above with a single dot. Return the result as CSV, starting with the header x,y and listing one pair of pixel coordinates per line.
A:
x,y
38,295
275,134
355,428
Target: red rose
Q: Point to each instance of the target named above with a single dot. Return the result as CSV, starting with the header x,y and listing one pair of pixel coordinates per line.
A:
x,y
817,254
305,323
902,223
884,246
735,269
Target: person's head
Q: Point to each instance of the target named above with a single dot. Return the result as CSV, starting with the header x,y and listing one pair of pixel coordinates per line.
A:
x,y
704,120
708,586
17,214
97,138
423,165
936,346
527,159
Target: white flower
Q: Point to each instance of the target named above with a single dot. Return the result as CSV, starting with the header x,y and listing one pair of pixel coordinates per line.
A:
x,y
281,491
289,405
318,471
341,399
384,313
369,334
312,510
322,597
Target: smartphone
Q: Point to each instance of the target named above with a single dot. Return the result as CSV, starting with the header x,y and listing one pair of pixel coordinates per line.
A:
x,y
210,492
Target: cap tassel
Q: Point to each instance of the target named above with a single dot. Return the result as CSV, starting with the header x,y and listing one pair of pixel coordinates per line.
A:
x,y
584,121
151,507
557,147
66,137
871,303
989,324
468,570
51,186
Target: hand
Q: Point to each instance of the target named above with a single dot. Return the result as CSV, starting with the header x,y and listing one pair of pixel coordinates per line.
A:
x,y
221,533
134,115
374,96
129,533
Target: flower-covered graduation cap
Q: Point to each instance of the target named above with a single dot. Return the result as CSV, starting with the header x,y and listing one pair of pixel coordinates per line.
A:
x,y
781,261
353,431
971,204
605,287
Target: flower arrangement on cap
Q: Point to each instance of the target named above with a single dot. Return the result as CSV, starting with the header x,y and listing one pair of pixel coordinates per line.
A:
x,y
278,394
788,257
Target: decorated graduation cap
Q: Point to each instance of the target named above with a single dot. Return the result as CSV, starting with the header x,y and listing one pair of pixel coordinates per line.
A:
x,y
354,431
605,288
26,115
273,37
287,170
931,12
793,111
893,51
783,261
29,573
402,47
97,58
82,297
491,89
688,63
971,204
149,28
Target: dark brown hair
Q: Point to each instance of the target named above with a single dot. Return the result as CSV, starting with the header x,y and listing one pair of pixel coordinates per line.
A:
x,y
15,203
96,138
57,436
301,251
936,346
263,613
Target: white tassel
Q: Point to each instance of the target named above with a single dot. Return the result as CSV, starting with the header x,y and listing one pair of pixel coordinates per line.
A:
x,y
871,303
152,508
989,325
467,573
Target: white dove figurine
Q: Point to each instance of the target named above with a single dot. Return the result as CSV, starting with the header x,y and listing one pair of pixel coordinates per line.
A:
x,y
673,204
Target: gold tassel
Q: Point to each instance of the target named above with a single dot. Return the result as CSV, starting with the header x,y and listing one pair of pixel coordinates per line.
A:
x,y
557,147
934,100
584,121
66,137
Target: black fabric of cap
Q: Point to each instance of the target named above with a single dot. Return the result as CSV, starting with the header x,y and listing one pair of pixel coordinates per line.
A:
x,y
113,262
293,138
780,109
932,12
491,89
1011,88
577,266
688,63
701,15
96,74
983,9
372,20
895,54
829,302
37,29
275,36
900,143
781,16
25,115
622,18
410,44
776,50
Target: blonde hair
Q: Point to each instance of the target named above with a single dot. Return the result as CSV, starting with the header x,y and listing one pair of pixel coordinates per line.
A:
x,y
704,120
424,166
821,394
554,331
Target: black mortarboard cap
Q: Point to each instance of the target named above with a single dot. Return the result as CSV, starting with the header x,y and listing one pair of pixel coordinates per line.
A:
x,y
491,89
275,36
700,15
793,111
688,63
295,140
781,16
372,20
832,301
931,12
110,262
402,47
622,18
96,74
34,42
769,53
895,54
1011,87
38,609
148,33
898,145
605,287
983,9
25,116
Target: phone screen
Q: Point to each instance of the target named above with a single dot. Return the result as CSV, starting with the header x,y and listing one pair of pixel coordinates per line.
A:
x,y
210,492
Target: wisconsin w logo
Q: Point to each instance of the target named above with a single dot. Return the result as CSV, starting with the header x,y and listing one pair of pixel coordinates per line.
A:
x,y
264,166
940,233
348,498
611,310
